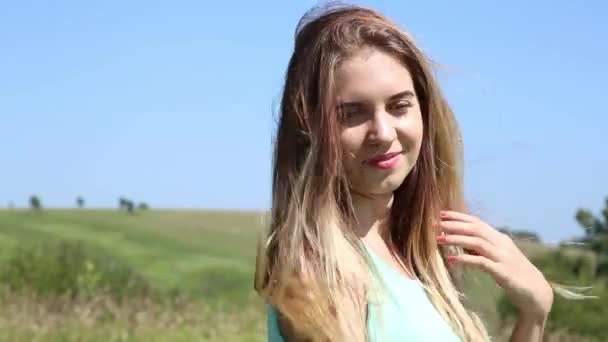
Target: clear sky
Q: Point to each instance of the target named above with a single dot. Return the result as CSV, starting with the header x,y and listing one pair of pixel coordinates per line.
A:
x,y
173,103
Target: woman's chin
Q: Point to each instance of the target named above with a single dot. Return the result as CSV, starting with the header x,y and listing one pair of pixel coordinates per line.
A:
x,y
385,186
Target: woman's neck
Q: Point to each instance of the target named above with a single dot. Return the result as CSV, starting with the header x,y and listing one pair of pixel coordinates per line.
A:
x,y
372,214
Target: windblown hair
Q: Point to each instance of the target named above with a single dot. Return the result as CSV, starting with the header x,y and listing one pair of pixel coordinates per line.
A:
x,y
312,267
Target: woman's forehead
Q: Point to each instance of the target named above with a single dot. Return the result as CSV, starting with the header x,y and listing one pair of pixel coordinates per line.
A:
x,y
371,76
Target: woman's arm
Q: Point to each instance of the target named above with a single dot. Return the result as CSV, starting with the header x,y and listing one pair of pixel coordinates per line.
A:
x,y
528,329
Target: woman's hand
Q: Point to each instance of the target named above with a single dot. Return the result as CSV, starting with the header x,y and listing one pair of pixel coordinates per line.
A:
x,y
497,254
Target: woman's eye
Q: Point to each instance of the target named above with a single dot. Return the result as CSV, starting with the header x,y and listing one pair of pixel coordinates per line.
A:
x,y
401,107
353,113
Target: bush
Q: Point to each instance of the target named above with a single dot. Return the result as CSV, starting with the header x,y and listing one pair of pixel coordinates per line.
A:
x,y
585,317
69,267
601,270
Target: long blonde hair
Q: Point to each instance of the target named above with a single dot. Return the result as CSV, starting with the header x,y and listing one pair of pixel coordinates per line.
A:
x,y
312,267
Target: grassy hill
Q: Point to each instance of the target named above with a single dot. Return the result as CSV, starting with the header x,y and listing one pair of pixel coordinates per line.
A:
x,y
206,254
171,248
206,257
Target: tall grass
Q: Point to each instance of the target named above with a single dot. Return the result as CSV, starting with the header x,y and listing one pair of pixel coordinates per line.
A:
x,y
72,275
29,317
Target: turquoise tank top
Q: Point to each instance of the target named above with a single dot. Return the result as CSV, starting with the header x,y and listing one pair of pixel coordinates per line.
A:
x,y
404,313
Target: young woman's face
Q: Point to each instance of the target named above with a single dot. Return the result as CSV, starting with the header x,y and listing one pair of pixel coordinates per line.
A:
x,y
381,121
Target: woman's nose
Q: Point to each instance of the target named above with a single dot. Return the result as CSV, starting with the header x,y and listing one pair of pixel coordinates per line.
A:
x,y
382,129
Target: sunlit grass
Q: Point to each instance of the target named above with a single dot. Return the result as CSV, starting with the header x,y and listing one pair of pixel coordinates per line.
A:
x,y
206,258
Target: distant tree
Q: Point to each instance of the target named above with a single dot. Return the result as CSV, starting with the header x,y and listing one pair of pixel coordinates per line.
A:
x,y
126,204
520,234
596,232
143,206
11,205
129,206
80,202
526,235
591,224
35,202
122,203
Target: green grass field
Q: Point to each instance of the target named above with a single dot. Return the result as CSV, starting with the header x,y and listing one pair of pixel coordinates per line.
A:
x,y
206,255
171,248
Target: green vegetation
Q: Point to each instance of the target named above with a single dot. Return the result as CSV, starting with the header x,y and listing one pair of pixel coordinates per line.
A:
x,y
101,275
579,267
152,275
69,268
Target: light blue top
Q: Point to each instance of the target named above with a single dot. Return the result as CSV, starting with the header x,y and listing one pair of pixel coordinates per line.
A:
x,y
405,313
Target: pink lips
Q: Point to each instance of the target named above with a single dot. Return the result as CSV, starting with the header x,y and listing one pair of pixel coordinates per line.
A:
x,y
385,161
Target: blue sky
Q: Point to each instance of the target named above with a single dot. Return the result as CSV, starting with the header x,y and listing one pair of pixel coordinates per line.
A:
x,y
173,103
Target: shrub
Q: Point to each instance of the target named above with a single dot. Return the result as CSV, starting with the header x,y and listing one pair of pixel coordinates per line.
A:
x,y
585,317
69,267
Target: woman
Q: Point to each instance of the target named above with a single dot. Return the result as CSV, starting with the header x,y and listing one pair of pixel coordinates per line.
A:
x,y
369,224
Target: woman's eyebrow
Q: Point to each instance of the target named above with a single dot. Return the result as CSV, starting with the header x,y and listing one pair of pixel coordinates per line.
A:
x,y
403,94
350,104
399,95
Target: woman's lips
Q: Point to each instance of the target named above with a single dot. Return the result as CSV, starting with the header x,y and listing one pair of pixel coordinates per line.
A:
x,y
385,161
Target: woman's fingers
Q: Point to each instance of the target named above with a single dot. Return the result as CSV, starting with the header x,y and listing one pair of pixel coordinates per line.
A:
x,y
463,224
459,227
481,262
471,243
457,216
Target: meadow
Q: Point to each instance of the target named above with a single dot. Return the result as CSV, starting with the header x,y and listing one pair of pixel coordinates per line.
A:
x,y
194,268
205,257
